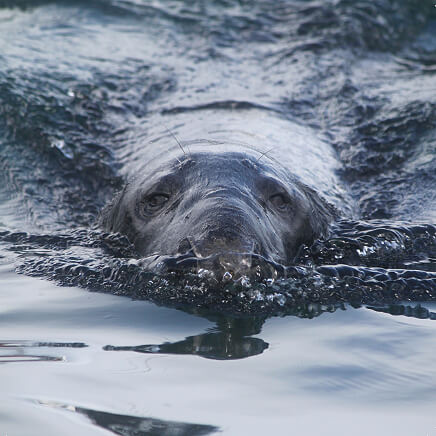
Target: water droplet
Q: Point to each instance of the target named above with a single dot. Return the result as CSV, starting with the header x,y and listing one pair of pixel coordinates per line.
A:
x,y
227,277
245,282
63,148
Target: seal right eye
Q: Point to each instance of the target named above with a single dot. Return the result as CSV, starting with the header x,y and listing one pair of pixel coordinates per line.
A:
x,y
154,203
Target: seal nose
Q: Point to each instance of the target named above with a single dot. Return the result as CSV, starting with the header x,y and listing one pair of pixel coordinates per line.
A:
x,y
223,226
232,256
217,243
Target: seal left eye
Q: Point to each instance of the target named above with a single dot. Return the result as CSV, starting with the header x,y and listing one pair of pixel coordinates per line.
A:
x,y
279,201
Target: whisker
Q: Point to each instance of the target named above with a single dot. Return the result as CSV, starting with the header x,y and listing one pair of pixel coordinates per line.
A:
x,y
264,154
177,140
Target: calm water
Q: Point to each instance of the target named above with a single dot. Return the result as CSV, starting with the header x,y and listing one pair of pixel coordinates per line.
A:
x,y
343,345
353,371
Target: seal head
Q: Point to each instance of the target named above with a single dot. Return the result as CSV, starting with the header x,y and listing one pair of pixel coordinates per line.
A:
x,y
222,208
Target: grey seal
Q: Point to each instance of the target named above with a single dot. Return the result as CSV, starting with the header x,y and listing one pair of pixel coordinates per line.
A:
x,y
221,202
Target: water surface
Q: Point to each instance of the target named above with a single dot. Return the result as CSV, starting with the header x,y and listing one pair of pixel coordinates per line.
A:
x,y
343,344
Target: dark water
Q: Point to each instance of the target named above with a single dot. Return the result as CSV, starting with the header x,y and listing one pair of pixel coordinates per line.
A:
x,y
345,334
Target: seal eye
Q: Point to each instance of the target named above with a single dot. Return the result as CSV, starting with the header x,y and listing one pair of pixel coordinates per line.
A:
x,y
280,202
155,202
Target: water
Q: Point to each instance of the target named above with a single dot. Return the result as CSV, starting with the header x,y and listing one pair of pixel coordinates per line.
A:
x,y
88,92
310,375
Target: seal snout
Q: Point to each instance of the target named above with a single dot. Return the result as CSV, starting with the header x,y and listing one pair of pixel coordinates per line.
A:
x,y
221,241
223,245
220,227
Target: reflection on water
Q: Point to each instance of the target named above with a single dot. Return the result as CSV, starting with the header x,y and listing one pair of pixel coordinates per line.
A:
x,y
411,311
209,345
14,358
125,425
16,351
231,341
231,338
329,360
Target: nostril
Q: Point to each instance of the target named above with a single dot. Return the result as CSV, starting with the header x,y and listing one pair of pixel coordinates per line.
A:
x,y
184,246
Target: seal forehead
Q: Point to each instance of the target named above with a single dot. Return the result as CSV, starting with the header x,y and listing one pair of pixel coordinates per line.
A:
x,y
229,159
224,167
209,169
